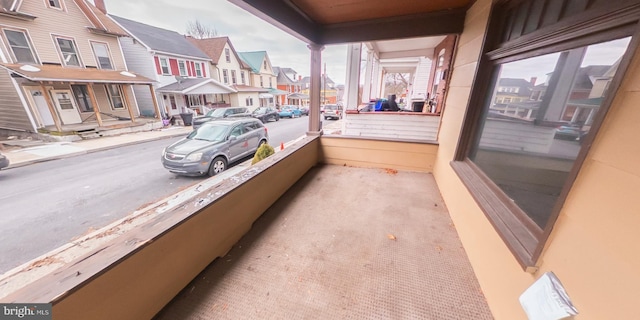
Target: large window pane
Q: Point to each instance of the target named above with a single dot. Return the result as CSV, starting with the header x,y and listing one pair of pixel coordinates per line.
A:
x,y
20,46
540,110
82,98
69,52
103,58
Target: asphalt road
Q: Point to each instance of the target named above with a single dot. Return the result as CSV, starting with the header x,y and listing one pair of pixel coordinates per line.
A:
x,y
46,205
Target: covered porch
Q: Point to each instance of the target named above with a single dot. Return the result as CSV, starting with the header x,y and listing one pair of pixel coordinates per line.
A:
x,y
197,95
63,101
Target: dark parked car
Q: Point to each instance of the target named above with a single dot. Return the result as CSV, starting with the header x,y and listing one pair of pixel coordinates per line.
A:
x,y
304,111
568,133
4,161
214,145
265,114
219,113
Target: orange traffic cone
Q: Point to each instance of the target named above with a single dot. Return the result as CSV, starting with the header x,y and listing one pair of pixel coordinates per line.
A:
x,y
281,145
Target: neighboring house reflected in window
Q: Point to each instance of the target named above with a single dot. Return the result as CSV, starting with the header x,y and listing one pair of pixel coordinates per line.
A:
x,y
21,46
103,57
68,51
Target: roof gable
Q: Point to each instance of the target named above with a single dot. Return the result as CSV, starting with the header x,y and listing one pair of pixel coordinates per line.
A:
x,y
162,40
99,20
254,59
214,47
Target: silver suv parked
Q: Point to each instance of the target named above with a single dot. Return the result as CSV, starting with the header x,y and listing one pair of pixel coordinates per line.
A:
x,y
214,145
332,111
219,113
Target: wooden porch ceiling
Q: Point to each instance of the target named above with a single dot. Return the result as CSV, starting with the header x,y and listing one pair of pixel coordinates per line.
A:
x,y
343,21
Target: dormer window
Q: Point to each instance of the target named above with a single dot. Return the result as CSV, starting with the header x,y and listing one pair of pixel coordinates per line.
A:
x,y
227,54
265,65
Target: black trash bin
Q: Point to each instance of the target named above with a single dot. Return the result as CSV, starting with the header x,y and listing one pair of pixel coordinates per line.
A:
x,y
187,118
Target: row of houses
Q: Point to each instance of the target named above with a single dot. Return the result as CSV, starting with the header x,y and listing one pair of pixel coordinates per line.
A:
x,y
71,68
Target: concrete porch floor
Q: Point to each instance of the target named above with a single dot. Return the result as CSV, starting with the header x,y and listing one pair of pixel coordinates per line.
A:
x,y
342,243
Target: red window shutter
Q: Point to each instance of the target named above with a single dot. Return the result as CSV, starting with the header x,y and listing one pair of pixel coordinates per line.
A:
x,y
188,66
158,69
174,67
204,71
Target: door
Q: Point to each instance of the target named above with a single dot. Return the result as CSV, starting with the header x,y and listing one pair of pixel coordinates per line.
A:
x,y
63,99
237,143
41,107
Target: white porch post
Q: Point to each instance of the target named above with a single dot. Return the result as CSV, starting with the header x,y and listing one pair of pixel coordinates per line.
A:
x,y
366,90
377,79
352,81
314,91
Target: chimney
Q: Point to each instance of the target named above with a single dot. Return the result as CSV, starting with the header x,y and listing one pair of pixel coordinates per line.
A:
x,y
100,5
533,81
299,78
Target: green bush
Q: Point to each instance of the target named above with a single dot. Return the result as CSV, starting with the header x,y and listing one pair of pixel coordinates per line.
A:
x,y
263,152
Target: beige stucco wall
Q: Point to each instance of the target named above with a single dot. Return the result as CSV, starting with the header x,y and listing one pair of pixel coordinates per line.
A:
x,y
594,246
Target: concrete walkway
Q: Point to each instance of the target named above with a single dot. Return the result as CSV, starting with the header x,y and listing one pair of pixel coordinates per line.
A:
x,y
25,152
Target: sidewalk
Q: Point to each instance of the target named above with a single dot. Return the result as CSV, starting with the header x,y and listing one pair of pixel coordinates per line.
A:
x,y
29,153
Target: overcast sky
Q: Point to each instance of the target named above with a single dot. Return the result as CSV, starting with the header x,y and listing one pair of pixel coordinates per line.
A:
x,y
247,32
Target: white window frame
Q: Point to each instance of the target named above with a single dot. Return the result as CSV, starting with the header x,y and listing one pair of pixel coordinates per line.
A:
x,y
60,6
227,54
29,43
242,77
95,54
225,76
234,78
261,82
110,96
249,101
166,61
198,69
184,66
75,47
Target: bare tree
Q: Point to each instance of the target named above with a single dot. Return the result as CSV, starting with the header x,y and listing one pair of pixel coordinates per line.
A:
x,y
396,83
200,31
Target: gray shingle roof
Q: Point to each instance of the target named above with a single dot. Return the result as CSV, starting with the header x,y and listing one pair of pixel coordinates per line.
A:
x,y
159,39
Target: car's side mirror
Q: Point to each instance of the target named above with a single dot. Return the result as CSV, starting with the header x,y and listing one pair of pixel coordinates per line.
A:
x,y
231,138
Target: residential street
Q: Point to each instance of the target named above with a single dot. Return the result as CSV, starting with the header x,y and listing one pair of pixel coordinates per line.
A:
x,y
45,205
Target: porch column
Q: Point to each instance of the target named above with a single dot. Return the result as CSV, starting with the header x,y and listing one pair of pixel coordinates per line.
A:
x,y
125,92
314,90
52,109
366,89
155,102
352,82
94,102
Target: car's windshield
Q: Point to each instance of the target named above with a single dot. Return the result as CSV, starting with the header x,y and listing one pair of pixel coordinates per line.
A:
x,y
261,110
209,132
218,113
331,107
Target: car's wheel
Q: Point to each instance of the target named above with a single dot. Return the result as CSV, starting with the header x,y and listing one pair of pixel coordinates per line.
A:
x,y
218,165
277,118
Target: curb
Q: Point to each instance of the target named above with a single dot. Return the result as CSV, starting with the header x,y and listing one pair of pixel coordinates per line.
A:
x,y
73,154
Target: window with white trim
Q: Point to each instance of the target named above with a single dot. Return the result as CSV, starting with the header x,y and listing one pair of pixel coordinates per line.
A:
x,y
270,82
68,51
225,75
21,46
242,77
55,4
261,82
198,70
164,66
103,58
249,101
115,96
182,66
227,54
233,77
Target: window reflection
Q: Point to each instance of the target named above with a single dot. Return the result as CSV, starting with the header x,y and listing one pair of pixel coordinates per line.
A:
x,y
540,111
